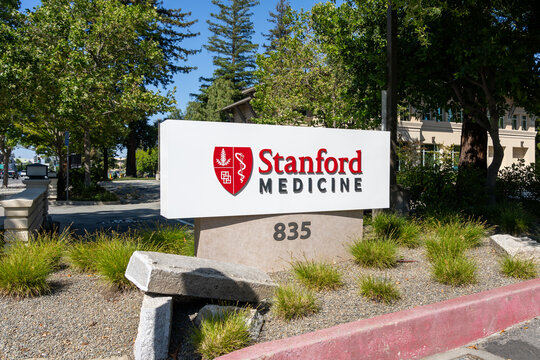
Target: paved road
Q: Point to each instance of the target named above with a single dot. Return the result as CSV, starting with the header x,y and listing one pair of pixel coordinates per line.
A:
x,y
143,212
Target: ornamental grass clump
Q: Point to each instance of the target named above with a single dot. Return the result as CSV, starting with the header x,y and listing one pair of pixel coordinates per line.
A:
x,y
221,334
167,238
403,231
292,301
376,289
317,276
518,268
512,218
447,247
470,232
454,271
375,253
107,255
25,266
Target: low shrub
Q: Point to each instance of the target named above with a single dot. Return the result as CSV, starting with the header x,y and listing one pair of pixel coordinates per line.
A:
x,y
317,276
375,253
292,301
455,271
220,335
511,218
24,268
518,268
383,290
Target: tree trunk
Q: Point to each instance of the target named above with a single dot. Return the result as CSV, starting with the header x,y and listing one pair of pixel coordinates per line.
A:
x,y
87,160
131,161
493,170
6,152
473,145
472,170
105,163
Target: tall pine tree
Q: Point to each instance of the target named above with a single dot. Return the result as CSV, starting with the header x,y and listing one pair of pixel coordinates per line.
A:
x,y
234,52
282,25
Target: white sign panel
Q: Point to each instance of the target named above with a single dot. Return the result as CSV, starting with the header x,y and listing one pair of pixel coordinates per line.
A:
x,y
223,169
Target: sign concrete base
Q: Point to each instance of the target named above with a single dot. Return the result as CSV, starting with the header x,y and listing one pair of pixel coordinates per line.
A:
x,y
271,242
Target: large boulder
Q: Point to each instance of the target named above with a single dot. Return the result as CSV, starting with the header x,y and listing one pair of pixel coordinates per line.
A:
x,y
191,276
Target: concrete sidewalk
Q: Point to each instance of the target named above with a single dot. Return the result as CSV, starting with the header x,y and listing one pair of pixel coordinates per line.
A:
x,y
518,342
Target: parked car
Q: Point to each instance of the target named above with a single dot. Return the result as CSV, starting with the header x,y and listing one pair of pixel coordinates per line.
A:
x,y
13,174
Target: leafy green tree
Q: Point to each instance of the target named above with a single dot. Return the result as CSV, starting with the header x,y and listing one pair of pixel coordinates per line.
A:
x,y
221,93
147,161
298,82
232,30
102,71
13,80
282,25
448,66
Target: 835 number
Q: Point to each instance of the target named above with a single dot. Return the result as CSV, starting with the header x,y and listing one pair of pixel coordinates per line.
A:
x,y
280,234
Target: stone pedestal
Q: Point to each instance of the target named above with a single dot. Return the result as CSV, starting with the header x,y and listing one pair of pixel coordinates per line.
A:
x,y
271,242
40,184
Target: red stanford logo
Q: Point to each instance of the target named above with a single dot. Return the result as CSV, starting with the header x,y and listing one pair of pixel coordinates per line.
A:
x,y
233,166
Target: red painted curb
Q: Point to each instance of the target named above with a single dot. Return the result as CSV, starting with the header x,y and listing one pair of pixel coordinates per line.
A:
x,y
409,334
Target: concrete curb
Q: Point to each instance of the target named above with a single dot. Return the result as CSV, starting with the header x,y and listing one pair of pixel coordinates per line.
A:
x,y
410,334
154,332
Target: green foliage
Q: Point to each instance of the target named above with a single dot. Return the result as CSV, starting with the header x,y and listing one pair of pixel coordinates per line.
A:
x,y
470,232
25,267
377,253
392,226
231,43
220,335
455,271
317,276
382,290
207,107
510,217
297,84
518,268
292,302
147,161
519,181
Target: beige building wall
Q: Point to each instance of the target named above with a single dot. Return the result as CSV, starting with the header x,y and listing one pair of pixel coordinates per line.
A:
x,y
517,133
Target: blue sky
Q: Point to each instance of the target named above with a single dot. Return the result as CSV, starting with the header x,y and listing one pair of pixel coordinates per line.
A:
x,y
201,9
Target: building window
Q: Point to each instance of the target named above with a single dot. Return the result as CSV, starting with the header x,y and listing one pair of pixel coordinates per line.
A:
x,y
514,122
519,152
501,122
430,154
524,122
439,115
426,116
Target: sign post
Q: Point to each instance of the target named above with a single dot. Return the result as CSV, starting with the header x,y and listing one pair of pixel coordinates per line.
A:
x,y
263,195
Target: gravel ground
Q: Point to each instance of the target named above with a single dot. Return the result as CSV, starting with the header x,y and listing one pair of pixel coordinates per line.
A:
x,y
83,319
345,305
80,319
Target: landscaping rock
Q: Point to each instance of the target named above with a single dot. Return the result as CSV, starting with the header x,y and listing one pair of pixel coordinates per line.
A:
x,y
523,247
254,319
190,276
154,328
